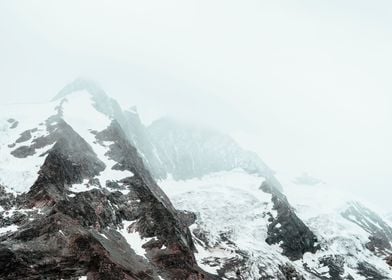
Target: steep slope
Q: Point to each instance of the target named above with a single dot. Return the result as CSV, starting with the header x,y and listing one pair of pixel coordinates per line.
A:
x,y
77,201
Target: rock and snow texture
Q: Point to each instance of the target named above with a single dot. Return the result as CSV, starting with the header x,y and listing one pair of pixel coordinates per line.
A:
x,y
234,217
77,201
354,240
75,108
20,126
133,238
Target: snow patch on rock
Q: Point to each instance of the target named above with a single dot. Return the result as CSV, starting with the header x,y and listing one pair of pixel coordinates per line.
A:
x,y
8,229
133,238
18,174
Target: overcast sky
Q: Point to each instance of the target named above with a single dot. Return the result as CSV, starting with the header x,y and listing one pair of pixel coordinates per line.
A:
x,y
306,84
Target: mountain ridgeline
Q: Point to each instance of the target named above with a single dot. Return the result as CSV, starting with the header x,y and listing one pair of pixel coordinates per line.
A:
x,y
79,199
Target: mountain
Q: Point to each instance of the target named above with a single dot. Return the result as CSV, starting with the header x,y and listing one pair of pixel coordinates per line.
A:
x,y
79,199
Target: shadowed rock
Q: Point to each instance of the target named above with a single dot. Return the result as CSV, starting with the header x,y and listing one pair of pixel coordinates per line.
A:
x,y
294,237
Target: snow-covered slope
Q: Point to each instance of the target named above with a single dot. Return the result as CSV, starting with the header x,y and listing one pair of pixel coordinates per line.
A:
x,y
232,220
234,216
355,235
20,125
25,126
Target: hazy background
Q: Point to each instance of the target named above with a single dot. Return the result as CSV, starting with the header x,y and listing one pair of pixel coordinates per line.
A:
x,y
306,84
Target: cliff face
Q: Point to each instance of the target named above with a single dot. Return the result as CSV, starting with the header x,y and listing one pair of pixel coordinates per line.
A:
x,y
287,229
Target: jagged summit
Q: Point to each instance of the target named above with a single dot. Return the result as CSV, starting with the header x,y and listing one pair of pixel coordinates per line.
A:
x,y
102,102
81,84
167,141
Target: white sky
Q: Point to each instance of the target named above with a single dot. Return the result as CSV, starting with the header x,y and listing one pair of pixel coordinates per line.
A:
x,y
306,84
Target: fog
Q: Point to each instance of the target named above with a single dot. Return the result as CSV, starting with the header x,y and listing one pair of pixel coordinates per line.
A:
x,y
306,85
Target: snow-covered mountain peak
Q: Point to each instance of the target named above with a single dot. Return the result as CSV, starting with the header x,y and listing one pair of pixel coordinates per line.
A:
x,y
81,84
30,131
78,109
101,101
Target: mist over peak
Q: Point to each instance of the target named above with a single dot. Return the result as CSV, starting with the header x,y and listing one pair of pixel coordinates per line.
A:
x,y
215,140
80,84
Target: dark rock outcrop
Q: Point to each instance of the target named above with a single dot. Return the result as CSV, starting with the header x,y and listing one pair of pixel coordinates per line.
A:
x,y
290,273
294,237
389,260
370,272
7,200
335,265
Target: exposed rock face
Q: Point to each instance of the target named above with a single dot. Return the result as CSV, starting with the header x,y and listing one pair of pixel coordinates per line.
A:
x,y
370,272
290,273
121,229
335,266
389,260
294,237
6,199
